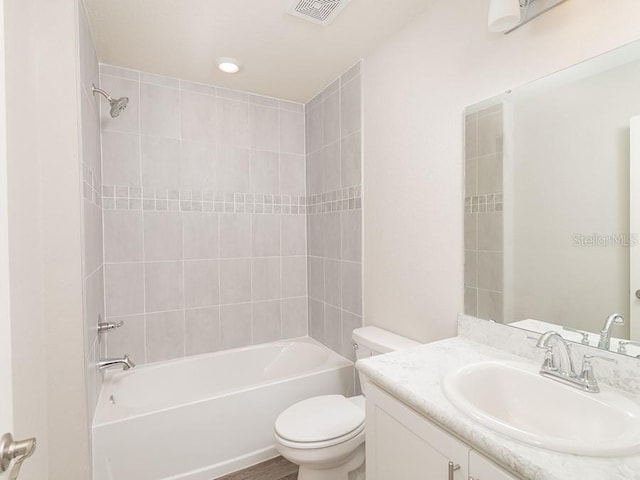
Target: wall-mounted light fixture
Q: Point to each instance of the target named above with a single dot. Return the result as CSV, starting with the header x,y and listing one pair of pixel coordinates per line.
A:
x,y
507,15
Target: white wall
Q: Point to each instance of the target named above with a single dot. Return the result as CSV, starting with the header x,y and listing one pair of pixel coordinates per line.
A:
x,y
415,88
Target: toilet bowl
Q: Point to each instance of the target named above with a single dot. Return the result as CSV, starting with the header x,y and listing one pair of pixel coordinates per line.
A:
x,y
325,435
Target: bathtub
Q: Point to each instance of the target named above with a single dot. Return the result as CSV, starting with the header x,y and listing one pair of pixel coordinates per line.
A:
x,y
201,417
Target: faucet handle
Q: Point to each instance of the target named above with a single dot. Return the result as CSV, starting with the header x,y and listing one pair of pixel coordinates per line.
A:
x,y
549,362
585,335
588,357
622,345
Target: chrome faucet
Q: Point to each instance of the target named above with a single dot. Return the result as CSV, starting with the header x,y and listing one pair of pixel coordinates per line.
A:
x,y
113,362
558,358
605,333
558,365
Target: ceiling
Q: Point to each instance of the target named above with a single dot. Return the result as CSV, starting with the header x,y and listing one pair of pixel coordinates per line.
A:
x,y
283,56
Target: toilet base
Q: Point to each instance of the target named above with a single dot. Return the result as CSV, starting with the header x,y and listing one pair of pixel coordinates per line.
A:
x,y
340,472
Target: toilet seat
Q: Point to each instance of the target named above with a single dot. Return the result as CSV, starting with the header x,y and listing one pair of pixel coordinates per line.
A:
x,y
320,422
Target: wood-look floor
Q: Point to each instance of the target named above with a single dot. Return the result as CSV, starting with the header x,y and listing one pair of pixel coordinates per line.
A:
x,y
275,469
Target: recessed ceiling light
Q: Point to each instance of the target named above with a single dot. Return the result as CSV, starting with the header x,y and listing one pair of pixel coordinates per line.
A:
x,y
228,65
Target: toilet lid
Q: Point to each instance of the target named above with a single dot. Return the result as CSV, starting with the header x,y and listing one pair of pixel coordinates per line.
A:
x,y
319,419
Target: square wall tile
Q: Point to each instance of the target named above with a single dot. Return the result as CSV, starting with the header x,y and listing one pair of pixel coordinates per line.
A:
x,y
197,117
164,286
233,123
267,325
352,287
265,172
235,281
490,133
265,279
333,328
315,172
160,163
332,283
162,236
490,305
124,289
316,320
351,231
231,169
470,268
331,168
351,160
293,235
266,235
165,336
350,107
294,276
263,128
159,111
331,119
235,326
314,129
123,231
197,166
202,330
292,174
490,270
316,235
332,235
316,278
235,236
200,235
128,339
471,301
292,132
201,287
490,234
294,317
121,159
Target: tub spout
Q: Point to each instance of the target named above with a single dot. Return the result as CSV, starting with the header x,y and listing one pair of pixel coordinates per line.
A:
x,y
126,363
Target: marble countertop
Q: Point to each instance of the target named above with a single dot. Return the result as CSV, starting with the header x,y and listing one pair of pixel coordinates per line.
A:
x,y
413,376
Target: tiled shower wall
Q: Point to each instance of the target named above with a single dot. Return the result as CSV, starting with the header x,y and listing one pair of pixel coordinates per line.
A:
x,y
93,274
204,217
334,173
483,219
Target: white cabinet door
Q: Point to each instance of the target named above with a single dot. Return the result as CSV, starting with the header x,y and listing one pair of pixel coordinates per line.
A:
x,y
401,444
482,469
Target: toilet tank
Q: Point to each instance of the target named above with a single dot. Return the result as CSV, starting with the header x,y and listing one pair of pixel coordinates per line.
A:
x,y
369,341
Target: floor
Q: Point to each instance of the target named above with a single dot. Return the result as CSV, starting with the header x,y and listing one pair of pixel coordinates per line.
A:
x,y
275,469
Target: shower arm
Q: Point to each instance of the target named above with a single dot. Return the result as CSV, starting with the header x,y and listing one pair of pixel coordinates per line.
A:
x,y
95,90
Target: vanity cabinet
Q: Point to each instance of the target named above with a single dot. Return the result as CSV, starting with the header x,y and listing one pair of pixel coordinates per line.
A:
x,y
403,444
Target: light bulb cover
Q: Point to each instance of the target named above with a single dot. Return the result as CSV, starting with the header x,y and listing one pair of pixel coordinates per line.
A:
x,y
504,15
228,65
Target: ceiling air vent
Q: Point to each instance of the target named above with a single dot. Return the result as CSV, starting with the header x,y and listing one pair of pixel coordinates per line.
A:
x,y
317,11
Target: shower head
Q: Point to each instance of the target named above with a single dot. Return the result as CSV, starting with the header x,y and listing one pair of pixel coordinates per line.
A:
x,y
117,104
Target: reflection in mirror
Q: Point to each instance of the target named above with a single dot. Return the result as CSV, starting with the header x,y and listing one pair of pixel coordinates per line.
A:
x,y
550,218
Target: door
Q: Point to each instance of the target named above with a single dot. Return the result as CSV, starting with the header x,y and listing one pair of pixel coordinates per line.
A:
x,y
634,228
12,453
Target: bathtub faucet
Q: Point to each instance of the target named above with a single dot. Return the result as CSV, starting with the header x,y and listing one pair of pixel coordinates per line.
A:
x,y
112,362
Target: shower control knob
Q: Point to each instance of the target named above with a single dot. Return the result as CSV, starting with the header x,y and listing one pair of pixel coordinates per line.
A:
x,y
637,293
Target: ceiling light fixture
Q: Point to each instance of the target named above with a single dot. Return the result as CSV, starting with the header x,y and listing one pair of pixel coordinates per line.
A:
x,y
507,15
228,65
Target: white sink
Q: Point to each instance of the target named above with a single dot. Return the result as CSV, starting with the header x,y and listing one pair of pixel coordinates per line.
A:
x,y
513,399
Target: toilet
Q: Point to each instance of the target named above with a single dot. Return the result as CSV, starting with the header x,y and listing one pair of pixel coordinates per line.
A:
x,y
325,435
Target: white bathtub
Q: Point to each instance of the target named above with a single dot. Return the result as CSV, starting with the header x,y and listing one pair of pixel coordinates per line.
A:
x,y
201,417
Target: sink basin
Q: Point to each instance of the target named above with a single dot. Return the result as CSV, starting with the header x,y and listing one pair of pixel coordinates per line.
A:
x,y
515,400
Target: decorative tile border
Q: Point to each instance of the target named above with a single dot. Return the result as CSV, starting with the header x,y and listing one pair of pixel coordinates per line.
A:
x,y
348,198
174,200
90,187
492,202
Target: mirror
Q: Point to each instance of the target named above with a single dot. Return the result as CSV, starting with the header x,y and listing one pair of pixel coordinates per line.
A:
x,y
552,204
